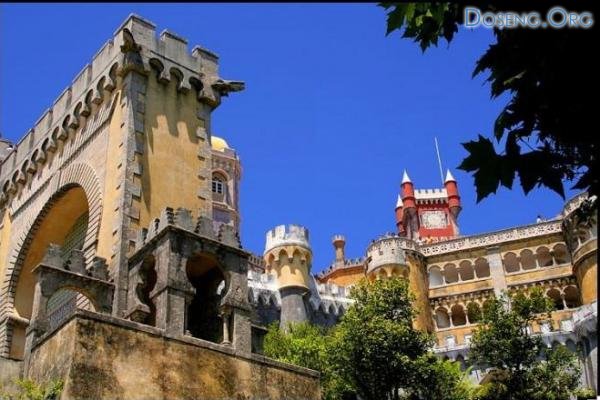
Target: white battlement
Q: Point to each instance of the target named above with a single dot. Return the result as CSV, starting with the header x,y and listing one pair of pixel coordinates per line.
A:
x,y
388,251
338,238
285,235
426,194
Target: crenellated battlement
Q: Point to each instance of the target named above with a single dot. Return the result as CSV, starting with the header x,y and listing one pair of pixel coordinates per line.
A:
x,y
388,251
182,219
287,235
75,263
134,46
431,195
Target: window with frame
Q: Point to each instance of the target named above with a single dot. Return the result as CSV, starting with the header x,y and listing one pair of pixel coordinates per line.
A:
x,y
218,185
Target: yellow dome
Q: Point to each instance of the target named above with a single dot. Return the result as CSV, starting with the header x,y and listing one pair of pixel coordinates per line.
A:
x,y
218,143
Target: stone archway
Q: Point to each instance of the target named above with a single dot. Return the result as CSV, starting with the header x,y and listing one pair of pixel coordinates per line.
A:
x,y
77,195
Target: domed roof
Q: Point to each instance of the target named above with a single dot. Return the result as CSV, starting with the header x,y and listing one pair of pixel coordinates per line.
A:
x,y
218,143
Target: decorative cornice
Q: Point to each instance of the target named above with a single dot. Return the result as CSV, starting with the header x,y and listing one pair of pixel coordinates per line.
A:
x,y
491,239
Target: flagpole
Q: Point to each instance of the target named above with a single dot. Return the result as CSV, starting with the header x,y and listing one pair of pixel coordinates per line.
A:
x,y
437,150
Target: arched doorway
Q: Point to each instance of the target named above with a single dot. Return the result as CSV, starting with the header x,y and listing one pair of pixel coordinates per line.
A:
x,y
203,317
63,221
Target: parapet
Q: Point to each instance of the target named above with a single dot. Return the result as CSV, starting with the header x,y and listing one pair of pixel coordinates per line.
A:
x,y
338,238
182,219
287,235
389,250
431,195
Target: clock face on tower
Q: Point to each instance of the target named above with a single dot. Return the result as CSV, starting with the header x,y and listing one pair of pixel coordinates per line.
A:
x,y
434,219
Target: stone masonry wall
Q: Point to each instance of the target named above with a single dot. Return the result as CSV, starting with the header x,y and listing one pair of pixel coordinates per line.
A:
x,y
110,358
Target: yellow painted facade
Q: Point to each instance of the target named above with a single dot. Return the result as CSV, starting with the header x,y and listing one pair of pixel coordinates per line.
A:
x,y
171,156
455,274
290,265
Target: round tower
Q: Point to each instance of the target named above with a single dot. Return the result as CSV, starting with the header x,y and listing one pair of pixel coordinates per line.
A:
x,y
409,205
339,243
288,257
452,192
394,256
399,210
582,240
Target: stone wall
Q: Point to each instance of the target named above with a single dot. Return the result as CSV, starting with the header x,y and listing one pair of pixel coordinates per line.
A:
x,y
103,357
10,371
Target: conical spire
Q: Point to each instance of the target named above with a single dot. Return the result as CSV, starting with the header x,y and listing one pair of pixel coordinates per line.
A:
x,y
399,202
449,177
405,178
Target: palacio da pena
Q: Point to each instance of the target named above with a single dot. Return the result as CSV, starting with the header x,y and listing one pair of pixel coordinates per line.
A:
x,y
123,274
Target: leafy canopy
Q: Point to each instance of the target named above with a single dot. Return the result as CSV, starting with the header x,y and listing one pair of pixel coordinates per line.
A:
x,y
523,368
546,128
374,351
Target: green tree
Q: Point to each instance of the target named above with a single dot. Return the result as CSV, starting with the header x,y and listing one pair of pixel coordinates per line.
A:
x,y
440,379
523,368
547,127
374,351
376,343
309,346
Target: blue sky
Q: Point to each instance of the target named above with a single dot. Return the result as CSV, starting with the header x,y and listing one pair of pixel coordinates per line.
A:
x,y
332,114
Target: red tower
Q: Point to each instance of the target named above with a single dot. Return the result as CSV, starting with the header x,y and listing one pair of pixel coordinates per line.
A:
x,y
428,214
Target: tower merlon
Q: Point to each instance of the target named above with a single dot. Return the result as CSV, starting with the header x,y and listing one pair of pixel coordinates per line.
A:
x,y
287,235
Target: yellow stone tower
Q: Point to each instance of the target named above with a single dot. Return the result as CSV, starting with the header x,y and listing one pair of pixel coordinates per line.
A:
x,y
288,256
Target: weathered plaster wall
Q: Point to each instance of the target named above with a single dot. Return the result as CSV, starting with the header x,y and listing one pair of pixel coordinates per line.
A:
x,y
10,370
586,271
176,159
110,358
347,276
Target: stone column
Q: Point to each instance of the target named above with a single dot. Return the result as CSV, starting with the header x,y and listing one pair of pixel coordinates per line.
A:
x,y
38,323
496,270
173,292
235,303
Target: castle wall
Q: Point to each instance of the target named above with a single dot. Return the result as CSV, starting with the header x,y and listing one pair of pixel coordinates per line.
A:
x,y
110,358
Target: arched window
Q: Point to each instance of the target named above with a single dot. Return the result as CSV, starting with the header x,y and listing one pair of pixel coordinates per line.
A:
x,y
572,297
450,273
511,263
441,318
435,277
203,318
218,184
561,255
458,315
583,234
544,257
473,312
527,259
554,294
465,269
482,268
